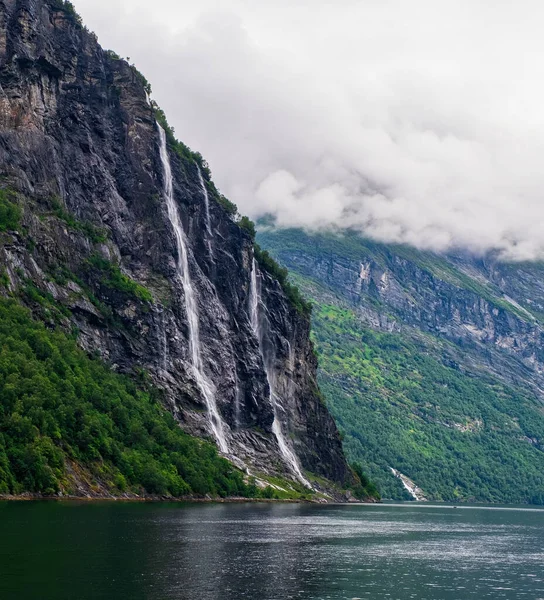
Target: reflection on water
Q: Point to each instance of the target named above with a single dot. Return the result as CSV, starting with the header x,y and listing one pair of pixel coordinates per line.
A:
x,y
266,552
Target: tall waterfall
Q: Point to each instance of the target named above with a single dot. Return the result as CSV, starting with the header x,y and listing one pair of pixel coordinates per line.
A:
x,y
204,383
254,314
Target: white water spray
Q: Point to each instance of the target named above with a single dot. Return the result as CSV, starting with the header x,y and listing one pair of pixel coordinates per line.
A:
x,y
207,207
206,199
254,305
204,383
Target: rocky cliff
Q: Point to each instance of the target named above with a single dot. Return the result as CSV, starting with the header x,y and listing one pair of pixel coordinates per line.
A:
x,y
432,364
124,240
487,308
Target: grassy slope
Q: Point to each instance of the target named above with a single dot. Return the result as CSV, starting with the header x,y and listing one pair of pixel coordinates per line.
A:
x,y
58,405
399,406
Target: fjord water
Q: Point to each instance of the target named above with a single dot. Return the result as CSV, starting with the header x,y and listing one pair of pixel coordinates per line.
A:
x,y
58,550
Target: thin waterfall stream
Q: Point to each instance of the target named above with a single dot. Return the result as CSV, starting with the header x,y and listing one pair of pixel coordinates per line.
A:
x,y
205,385
207,207
254,314
206,199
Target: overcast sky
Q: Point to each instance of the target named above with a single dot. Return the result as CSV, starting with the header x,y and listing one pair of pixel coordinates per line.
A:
x,y
416,121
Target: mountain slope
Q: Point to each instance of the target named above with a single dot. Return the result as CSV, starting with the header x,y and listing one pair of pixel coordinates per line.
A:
x,y
68,424
113,230
430,364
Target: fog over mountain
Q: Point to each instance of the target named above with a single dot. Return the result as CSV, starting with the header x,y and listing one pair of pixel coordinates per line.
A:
x,y
417,122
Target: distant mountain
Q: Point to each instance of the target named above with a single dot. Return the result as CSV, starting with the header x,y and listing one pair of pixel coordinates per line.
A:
x,y
432,365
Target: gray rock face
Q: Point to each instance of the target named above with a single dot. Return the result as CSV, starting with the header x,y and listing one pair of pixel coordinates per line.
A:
x,y
79,149
490,310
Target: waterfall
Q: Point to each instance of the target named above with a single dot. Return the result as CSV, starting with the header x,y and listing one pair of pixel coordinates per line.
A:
x,y
236,401
207,207
204,383
254,315
206,199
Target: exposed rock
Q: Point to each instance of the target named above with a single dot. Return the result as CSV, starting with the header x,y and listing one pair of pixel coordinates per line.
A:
x,y
80,147
491,310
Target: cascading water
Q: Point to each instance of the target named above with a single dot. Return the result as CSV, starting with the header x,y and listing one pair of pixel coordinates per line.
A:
x,y
205,385
237,406
207,206
254,304
206,199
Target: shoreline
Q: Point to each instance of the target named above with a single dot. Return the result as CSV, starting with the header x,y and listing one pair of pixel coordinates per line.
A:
x,y
165,499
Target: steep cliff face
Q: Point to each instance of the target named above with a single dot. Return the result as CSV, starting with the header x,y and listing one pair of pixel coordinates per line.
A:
x,y
488,308
98,248
432,365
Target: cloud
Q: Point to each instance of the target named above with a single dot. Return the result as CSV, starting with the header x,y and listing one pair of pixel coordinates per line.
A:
x,y
415,122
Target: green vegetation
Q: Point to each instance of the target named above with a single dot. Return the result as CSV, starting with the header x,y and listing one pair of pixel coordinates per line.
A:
x,y
364,488
113,55
268,264
50,308
248,225
142,79
183,151
229,207
95,234
113,278
442,269
68,8
279,488
345,244
399,398
61,275
351,245
398,406
4,278
61,410
10,213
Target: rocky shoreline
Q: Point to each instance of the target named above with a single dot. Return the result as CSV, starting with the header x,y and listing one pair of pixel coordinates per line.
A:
x,y
181,500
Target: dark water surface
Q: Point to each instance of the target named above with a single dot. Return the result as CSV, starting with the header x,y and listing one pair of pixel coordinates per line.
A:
x,y
78,551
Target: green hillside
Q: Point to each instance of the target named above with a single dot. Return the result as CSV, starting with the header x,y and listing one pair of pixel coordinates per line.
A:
x,y
65,416
398,397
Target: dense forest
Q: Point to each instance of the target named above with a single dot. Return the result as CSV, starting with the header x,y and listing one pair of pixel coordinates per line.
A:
x,y
457,437
63,411
400,399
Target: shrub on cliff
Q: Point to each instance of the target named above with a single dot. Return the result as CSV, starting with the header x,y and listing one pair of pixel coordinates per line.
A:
x,y
268,264
10,213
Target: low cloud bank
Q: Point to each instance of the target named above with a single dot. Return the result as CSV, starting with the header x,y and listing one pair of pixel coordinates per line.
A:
x,y
417,122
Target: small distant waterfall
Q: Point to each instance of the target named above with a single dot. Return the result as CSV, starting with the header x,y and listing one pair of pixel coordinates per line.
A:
x,y
237,406
207,207
254,305
206,199
204,383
